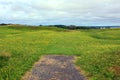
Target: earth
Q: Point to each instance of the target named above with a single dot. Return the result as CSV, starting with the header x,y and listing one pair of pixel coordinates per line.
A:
x,y
54,67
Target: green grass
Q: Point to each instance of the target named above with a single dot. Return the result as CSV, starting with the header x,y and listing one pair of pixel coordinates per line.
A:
x,y
98,50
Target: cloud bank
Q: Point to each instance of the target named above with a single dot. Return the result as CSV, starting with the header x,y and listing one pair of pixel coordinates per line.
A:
x,y
77,12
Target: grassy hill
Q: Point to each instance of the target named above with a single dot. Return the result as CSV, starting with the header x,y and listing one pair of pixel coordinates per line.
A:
x,y
98,50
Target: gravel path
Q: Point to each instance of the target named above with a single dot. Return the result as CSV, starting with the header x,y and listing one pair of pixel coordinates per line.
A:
x,y
54,68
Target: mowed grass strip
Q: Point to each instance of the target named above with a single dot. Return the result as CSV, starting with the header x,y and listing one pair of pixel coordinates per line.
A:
x,y
98,50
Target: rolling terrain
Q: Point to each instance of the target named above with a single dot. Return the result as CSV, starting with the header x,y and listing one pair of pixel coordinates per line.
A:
x,y
98,50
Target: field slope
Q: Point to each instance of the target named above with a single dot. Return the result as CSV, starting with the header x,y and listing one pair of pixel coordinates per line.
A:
x,y
98,51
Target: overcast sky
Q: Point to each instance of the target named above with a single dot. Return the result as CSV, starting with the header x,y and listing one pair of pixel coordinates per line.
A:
x,y
76,12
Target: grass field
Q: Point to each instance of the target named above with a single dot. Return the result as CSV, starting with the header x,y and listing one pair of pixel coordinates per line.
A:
x,y
98,50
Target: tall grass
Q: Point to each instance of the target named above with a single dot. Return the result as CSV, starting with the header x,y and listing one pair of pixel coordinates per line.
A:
x,y
98,50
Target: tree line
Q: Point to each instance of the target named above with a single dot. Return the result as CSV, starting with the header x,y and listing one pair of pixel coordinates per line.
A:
x,y
73,27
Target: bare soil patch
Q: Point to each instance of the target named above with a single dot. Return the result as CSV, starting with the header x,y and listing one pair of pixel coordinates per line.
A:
x,y
54,67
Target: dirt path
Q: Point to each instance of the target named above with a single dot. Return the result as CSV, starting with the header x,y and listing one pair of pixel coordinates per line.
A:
x,y
54,68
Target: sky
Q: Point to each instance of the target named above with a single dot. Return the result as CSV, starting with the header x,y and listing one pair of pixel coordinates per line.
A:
x,y
66,12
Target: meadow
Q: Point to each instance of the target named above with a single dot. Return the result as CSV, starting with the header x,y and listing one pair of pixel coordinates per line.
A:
x,y
98,50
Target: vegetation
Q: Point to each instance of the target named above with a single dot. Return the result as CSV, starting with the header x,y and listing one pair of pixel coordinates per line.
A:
x,y
74,27
98,50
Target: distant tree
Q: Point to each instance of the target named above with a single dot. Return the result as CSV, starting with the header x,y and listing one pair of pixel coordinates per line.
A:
x,y
108,27
83,27
60,26
71,27
40,25
3,24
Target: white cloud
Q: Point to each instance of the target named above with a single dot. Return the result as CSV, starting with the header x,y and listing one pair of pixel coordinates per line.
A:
x,y
78,12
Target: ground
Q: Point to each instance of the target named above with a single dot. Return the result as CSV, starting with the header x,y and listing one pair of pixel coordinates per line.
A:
x,y
98,50
54,67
